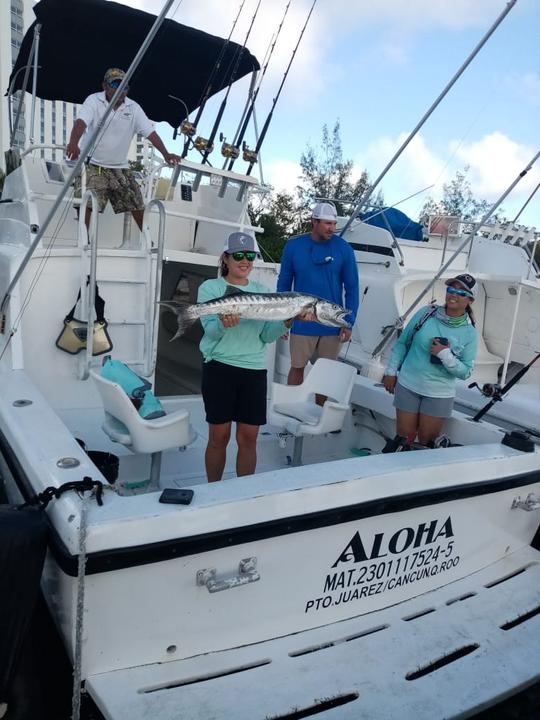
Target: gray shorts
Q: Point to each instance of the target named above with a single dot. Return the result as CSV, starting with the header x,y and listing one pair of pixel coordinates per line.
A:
x,y
409,401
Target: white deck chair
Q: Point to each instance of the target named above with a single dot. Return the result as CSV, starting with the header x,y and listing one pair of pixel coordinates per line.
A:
x,y
124,425
293,407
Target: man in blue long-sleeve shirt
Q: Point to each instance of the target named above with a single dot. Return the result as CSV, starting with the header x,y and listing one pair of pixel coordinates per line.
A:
x,y
323,264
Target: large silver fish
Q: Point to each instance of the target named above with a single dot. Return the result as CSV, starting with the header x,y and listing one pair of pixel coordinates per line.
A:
x,y
259,306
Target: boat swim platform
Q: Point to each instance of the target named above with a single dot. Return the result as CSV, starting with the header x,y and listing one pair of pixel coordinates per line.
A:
x,y
449,653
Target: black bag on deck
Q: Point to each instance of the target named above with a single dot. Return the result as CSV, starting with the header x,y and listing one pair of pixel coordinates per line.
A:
x,y
23,542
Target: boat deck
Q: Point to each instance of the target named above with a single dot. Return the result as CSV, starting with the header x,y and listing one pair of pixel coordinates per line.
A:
x,y
446,654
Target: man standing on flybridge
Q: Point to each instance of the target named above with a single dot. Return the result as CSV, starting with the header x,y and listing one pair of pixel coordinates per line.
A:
x,y
108,173
322,264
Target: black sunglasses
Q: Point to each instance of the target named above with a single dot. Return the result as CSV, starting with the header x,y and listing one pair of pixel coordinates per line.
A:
x,y
241,254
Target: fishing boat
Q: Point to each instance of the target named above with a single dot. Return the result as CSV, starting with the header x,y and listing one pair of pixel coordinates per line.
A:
x,y
336,581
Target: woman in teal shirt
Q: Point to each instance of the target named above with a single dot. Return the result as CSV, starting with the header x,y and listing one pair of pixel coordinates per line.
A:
x,y
234,369
437,346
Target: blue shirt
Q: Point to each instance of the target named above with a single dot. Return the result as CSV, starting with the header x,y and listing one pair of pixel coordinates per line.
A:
x,y
417,372
326,269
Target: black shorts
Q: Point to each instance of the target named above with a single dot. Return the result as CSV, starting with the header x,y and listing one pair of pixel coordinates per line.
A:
x,y
233,393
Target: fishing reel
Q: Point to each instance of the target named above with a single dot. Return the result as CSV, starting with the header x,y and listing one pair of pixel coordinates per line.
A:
x,y
187,128
203,145
228,150
250,156
490,390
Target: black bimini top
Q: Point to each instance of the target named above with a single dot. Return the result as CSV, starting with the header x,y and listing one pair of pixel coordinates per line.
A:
x,y
81,39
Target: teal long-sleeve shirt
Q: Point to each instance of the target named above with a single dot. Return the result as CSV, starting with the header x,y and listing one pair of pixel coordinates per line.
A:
x,y
243,345
417,372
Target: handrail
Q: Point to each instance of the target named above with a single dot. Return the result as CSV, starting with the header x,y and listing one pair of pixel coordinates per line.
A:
x,y
151,324
91,241
41,146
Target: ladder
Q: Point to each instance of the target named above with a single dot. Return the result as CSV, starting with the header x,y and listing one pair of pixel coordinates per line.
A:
x,y
130,282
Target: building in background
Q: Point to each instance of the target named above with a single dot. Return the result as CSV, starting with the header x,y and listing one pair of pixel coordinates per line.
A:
x,y
52,120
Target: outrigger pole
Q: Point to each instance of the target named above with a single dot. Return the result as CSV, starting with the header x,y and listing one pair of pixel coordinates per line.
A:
x,y
369,191
251,155
187,128
242,128
401,320
82,157
209,144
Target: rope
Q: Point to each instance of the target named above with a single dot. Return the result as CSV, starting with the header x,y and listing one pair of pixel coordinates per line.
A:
x,y
79,612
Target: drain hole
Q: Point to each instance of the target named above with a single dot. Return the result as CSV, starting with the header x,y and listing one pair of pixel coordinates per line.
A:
x,y
204,678
441,662
323,646
408,618
320,707
460,598
507,577
520,619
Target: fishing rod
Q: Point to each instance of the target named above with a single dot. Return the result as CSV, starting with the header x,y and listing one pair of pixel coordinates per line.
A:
x,y
234,150
207,145
369,191
227,149
496,392
188,128
251,156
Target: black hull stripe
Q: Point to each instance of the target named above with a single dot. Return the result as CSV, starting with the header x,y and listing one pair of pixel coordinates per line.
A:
x,y
126,557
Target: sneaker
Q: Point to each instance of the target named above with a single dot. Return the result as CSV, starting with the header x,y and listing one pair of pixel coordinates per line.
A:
x,y
443,441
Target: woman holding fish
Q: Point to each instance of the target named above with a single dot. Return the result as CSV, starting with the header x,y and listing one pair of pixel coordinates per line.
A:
x,y
234,369
240,317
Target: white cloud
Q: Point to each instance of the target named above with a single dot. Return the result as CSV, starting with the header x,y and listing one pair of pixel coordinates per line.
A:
x,y
492,162
282,174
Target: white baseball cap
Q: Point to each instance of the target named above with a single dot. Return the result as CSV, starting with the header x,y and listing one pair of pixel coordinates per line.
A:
x,y
324,211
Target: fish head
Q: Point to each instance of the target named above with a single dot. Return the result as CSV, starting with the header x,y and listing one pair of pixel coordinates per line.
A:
x,y
331,314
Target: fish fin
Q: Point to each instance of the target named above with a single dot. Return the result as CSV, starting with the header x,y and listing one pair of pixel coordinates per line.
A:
x,y
230,290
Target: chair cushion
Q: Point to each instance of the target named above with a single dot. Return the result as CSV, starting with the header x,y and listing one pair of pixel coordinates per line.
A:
x,y
307,412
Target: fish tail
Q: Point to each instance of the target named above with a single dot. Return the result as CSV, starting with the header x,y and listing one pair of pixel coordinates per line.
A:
x,y
184,316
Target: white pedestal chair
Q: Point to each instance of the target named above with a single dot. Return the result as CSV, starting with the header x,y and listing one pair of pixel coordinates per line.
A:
x,y
124,425
293,407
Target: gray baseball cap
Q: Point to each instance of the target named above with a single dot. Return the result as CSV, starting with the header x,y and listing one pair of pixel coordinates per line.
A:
x,y
238,241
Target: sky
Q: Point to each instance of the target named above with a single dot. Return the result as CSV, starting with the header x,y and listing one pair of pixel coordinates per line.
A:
x,y
377,66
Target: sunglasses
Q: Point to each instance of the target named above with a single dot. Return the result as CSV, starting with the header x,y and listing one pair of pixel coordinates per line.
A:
x,y
116,84
456,291
241,254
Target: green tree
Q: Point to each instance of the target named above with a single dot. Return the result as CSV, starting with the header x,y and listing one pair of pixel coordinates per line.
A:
x,y
327,176
458,199
280,219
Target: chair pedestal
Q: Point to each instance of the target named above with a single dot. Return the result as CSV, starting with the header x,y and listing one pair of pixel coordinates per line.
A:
x,y
297,450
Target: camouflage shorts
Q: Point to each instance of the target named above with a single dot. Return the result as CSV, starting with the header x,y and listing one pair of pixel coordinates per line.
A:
x,y
115,185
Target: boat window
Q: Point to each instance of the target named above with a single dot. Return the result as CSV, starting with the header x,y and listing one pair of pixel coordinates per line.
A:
x,y
54,171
